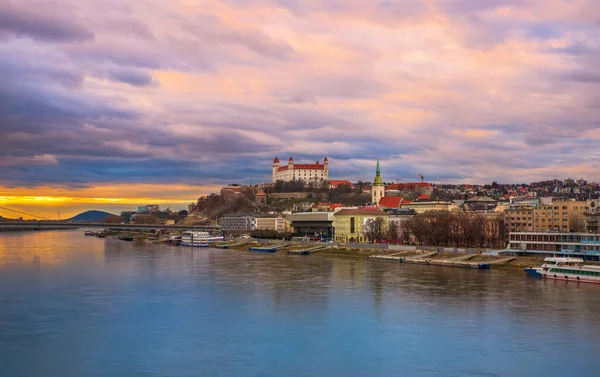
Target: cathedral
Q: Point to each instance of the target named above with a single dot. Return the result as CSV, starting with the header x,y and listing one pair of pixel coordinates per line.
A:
x,y
305,172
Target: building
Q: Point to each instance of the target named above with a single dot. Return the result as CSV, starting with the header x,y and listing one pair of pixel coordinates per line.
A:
x,y
390,202
592,215
399,217
378,187
335,183
276,223
408,187
150,208
312,224
261,198
563,215
430,205
350,223
550,243
479,204
305,172
237,223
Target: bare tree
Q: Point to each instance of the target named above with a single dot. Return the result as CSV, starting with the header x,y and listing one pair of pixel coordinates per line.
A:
x,y
393,232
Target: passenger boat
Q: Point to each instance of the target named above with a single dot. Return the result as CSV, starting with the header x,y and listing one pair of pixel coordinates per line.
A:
x,y
198,239
567,268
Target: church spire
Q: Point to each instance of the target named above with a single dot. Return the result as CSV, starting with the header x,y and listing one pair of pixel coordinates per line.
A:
x,y
378,181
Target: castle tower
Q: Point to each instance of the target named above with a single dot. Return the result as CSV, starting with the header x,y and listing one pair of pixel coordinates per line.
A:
x,y
326,169
290,172
275,168
378,188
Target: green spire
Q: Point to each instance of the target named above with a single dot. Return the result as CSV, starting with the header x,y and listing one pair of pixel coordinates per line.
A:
x,y
378,181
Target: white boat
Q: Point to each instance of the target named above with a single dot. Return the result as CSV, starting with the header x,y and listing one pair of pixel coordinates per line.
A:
x,y
198,239
569,269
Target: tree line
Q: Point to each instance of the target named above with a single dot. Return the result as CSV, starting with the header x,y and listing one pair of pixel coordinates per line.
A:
x,y
458,229
439,228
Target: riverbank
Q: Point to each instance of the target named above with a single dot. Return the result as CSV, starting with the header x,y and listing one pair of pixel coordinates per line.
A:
x,y
503,262
324,250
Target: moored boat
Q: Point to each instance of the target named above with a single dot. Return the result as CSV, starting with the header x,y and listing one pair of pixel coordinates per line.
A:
x,y
263,249
89,232
126,238
198,239
299,252
568,269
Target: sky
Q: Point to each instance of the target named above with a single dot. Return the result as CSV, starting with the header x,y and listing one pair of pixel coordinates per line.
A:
x,y
108,104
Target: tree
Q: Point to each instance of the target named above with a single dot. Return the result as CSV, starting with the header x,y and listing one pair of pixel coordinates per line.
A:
x,y
374,229
393,232
113,220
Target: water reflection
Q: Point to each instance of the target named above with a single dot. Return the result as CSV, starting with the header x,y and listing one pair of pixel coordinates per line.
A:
x,y
75,305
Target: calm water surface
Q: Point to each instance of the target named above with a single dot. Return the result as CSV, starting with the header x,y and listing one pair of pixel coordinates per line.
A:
x,y
81,306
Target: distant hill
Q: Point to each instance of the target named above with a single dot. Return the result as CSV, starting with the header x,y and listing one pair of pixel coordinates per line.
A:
x,y
91,216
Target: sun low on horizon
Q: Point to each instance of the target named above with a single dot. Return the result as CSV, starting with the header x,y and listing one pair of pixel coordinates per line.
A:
x,y
108,105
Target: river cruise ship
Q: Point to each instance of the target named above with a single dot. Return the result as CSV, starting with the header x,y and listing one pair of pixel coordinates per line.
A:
x,y
198,239
566,268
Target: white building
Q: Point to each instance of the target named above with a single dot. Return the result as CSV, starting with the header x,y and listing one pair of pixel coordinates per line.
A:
x,y
305,172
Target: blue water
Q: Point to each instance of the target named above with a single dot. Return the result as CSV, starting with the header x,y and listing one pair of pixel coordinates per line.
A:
x,y
81,306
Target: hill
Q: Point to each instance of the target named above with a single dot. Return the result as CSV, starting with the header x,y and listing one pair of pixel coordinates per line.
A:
x,y
91,216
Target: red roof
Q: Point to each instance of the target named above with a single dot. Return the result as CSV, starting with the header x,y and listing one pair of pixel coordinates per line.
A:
x,y
339,182
276,160
336,205
391,201
325,159
291,159
423,197
304,167
406,186
261,193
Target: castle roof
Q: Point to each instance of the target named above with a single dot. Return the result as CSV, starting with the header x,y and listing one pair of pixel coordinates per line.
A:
x,y
291,159
303,167
276,160
325,159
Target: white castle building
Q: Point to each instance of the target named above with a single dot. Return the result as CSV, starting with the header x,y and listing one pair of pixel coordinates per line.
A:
x,y
305,172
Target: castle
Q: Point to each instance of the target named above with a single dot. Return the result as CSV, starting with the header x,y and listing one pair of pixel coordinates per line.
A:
x,y
305,172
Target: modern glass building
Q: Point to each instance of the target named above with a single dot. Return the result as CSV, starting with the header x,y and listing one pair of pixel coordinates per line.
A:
x,y
583,245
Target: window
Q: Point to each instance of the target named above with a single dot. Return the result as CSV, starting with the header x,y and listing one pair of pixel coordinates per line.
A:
x,y
352,220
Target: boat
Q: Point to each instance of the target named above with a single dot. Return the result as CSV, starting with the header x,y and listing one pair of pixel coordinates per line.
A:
x,y
263,249
100,234
568,269
198,239
89,232
126,238
534,271
174,240
152,240
299,252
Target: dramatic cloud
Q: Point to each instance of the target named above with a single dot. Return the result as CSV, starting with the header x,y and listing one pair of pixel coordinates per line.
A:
x,y
94,93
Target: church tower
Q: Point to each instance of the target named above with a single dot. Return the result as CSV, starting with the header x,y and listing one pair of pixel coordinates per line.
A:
x,y
378,188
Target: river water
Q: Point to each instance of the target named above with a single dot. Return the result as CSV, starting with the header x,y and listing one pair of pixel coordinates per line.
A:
x,y
72,305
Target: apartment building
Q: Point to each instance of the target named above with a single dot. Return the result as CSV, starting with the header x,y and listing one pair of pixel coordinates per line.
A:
x,y
564,216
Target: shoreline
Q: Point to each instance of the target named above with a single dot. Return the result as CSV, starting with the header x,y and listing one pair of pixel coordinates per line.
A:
x,y
440,259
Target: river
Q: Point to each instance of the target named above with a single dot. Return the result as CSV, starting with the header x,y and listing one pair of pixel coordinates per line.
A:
x,y
72,305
